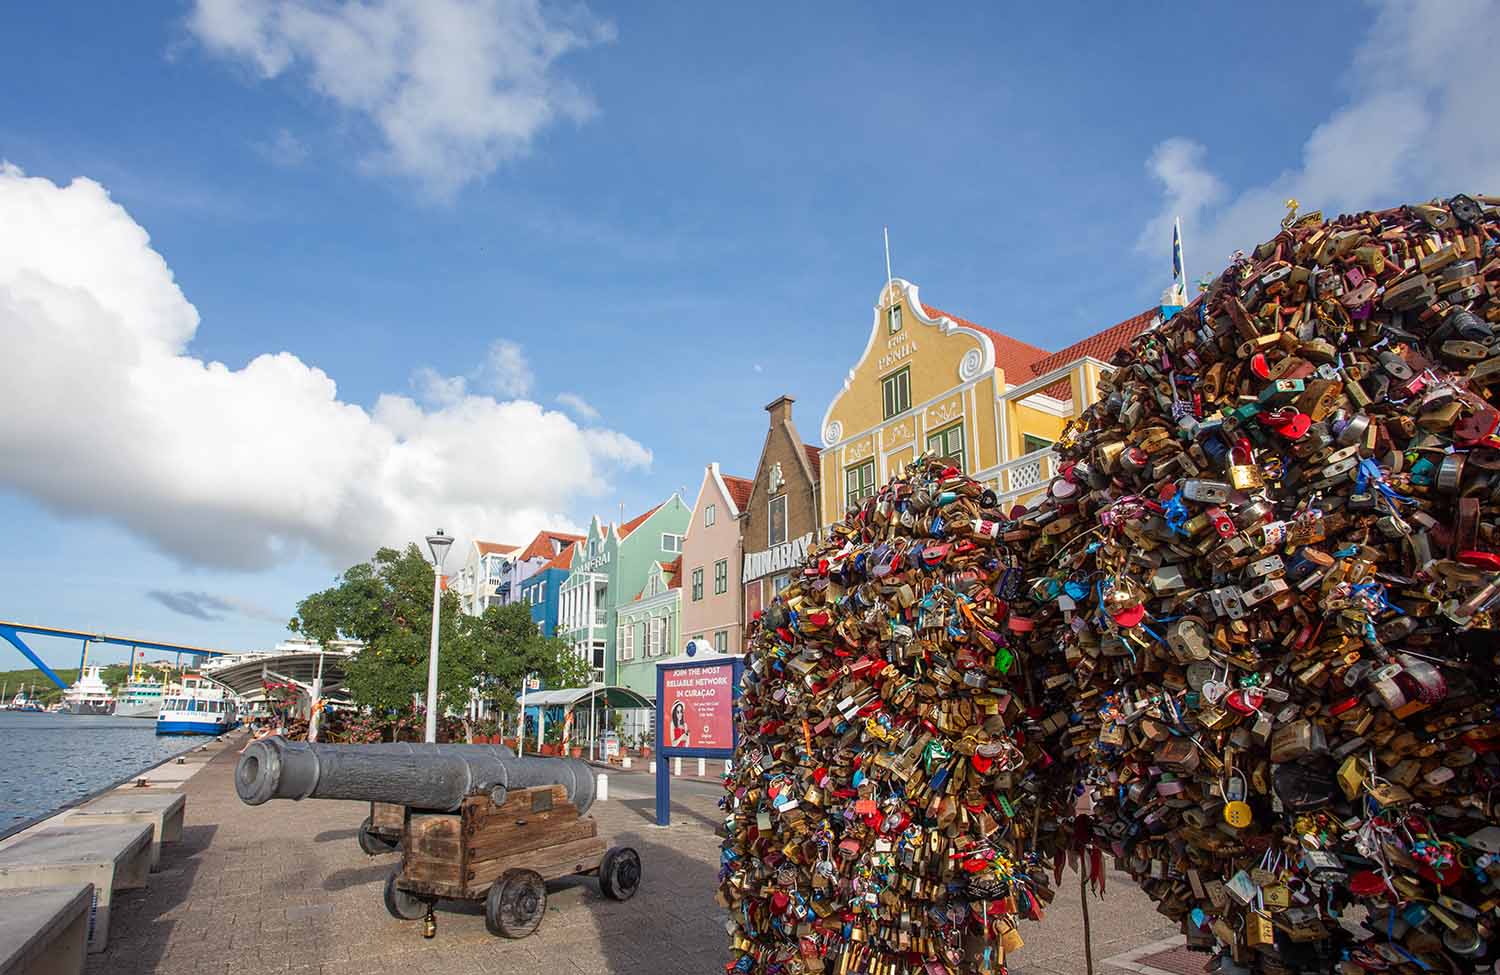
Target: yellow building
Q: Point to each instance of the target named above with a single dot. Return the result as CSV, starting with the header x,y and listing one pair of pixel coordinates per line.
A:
x,y
931,381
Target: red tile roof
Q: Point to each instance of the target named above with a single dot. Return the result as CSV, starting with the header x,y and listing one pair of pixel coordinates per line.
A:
x,y
635,523
673,569
564,559
1101,345
813,455
1022,362
491,548
1012,356
739,490
541,545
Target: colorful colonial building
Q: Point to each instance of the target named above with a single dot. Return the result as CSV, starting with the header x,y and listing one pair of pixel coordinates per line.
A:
x,y
780,519
478,581
542,589
610,565
649,629
929,381
712,605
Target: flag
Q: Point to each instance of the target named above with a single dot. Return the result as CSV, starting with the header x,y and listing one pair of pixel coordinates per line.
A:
x,y
1177,273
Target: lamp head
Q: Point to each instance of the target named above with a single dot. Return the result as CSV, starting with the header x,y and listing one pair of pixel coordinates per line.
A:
x,y
438,544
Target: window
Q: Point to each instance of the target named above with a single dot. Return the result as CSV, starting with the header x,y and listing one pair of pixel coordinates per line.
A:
x,y
948,444
721,641
599,656
671,542
779,583
897,388
625,642
656,637
893,318
710,515
1030,443
859,483
776,523
721,577
697,584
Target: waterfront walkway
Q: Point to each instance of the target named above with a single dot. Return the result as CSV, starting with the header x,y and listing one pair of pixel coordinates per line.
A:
x,y
283,887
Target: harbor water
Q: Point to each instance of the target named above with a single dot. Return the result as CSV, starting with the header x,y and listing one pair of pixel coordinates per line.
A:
x,y
51,760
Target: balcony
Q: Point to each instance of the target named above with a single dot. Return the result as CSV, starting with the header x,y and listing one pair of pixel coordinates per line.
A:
x,y
1026,474
600,617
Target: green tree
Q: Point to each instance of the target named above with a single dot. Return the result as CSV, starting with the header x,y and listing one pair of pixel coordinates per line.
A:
x,y
509,646
386,604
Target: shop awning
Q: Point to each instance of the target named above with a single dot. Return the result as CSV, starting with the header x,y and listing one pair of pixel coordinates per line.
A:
x,y
607,695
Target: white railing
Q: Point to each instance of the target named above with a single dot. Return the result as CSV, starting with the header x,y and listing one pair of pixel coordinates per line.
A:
x,y
1026,474
600,617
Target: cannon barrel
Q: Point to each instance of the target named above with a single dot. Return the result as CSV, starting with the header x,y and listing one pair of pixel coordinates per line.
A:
x,y
435,777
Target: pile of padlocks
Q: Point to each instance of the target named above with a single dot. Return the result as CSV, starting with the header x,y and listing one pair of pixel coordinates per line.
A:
x,y
884,800
1267,569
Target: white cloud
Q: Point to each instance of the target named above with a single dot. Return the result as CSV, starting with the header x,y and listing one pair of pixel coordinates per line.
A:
x,y
506,370
454,87
283,149
1420,122
580,406
104,414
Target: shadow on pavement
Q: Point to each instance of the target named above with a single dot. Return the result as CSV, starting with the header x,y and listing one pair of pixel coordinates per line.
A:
x,y
138,927
378,869
330,835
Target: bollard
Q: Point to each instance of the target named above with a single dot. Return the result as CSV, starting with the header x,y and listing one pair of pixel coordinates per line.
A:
x,y
676,766
702,767
653,767
625,762
601,791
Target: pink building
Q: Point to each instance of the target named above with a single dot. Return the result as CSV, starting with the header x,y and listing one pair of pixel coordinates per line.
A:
x,y
711,560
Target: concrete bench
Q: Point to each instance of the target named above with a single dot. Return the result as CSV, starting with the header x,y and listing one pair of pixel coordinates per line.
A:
x,y
43,930
109,857
161,810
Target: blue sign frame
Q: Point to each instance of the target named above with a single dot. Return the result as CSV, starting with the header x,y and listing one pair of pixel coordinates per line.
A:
x,y
665,754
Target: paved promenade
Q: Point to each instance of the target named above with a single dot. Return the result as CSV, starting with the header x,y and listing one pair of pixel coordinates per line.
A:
x,y
284,888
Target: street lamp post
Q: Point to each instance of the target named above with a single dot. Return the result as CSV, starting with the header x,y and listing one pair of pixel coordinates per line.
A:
x,y
438,544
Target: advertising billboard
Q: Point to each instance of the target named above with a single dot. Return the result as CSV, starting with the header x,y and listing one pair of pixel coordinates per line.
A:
x,y
697,706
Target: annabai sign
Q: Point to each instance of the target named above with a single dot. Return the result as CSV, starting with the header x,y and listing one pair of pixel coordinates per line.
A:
x,y
777,558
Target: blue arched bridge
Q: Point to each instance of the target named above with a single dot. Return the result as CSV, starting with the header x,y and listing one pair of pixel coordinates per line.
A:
x,y
11,632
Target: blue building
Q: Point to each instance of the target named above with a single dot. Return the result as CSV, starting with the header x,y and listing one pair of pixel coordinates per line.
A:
x,y
540,589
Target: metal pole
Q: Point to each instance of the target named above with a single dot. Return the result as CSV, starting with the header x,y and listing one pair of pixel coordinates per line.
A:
x,y
521,721
593,726
432,655
317,693
1083,895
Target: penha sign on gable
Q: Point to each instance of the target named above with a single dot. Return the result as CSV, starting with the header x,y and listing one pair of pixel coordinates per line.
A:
x,y
777,558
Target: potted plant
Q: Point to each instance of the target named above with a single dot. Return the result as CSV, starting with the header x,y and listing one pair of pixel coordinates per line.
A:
x,y
552,739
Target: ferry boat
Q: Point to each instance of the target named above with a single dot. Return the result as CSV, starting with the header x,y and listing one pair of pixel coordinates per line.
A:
x,y
195,708
89,695
140,698
23,701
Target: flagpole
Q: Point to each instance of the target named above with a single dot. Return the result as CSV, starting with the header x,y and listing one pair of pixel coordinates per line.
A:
x,y
886,232
1180,258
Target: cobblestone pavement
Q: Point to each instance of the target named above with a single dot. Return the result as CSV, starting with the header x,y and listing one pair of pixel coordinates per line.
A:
x,y
283,887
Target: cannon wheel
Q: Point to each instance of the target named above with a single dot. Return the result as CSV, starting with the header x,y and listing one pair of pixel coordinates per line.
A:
x,y
403,906
515,904
372,843
620,873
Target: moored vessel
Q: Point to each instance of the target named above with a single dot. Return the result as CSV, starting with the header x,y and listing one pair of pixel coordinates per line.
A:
x,y
89,695
196,708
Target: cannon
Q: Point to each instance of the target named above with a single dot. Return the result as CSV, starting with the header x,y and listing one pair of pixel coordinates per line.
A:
x,y
472,821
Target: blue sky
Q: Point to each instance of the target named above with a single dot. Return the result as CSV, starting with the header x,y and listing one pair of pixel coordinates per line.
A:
x,y
672,212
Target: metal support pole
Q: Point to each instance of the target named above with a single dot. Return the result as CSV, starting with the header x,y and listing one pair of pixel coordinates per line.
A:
x,y
521,721
432,656
315,713
1083,895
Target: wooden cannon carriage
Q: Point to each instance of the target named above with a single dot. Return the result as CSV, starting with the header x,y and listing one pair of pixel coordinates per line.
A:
x,y
504,855
473,822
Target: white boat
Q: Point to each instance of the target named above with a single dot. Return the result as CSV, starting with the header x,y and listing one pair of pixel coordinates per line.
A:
x,y
140,698
196,708
89,695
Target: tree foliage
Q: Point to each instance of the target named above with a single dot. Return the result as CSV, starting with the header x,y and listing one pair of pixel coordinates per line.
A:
x,y
386,604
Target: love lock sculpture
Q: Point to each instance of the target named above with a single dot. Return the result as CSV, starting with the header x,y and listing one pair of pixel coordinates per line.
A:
x,y
1243,642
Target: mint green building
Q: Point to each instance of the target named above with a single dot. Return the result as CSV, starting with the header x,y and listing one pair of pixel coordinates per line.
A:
x,y
612,565
649,628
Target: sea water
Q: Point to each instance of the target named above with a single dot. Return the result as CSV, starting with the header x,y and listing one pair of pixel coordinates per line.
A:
x,y
48,761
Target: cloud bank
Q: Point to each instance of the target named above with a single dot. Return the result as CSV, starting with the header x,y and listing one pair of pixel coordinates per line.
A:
x,y
103,413
453,87
207,606
1421,121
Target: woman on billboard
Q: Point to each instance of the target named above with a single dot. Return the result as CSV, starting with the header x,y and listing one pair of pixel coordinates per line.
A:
x,y
677,735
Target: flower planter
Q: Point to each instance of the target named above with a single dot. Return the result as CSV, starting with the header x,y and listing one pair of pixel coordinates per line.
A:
x,y
576,751
645,751
548,748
